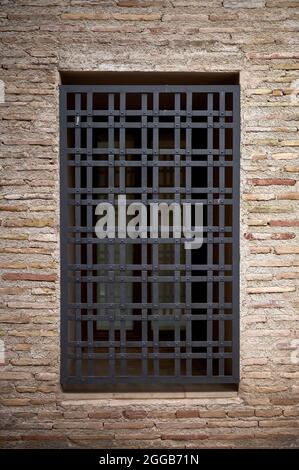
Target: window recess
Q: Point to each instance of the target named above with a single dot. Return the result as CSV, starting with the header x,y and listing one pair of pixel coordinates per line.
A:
x,y
149,311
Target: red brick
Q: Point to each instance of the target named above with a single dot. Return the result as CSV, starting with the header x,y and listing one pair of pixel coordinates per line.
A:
x,y
11,375
116,29
42,401
285,401
292,196
9,438
232,437
271,304
274,55
129,425
260,250
135,414
28,223
249,236
161,414
160,30
86,438
137,16
88,16
75,414
29,277
114,414
187,413
283,236
291,412
240,413
212,414
137,3
272,181
141,436
50,415
284,223
268,412
43,437
184,437
266,236
15,401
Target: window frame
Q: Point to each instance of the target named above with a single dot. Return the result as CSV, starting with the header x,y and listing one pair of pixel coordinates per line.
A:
x,y
235,90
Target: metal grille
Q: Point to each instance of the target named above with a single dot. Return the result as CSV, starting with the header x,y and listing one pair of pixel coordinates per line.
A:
x,y
147,310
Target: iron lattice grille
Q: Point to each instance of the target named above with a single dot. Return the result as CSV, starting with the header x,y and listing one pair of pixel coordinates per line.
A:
x,y
147,310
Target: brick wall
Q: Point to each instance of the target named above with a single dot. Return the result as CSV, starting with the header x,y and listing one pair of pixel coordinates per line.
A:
x,y
260,39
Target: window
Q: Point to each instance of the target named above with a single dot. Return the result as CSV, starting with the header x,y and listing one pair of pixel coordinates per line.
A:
x,y
148,310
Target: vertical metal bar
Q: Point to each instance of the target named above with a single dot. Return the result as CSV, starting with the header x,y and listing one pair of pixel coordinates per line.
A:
x,y
123,244
177,246
78,209
111,246
188,257
144,281
221,233
89,170
155,258
210,199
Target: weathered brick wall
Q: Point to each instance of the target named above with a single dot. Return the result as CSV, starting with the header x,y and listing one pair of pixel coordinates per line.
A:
x,y
260,39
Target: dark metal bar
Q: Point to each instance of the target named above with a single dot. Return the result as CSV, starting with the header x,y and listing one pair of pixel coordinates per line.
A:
x,y
150,88
221,246
144,256
111,246
177,246
138,151
139,305
89,185
78,236
122,245
210,217
155,253
188,257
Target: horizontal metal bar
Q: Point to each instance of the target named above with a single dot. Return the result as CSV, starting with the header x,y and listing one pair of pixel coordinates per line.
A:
x,y
133,344
148,267
149,164
160,190
148,88
206,238
150,355
146,151
148,113
149,317
139,305
129,241
95,202
149,278
150,125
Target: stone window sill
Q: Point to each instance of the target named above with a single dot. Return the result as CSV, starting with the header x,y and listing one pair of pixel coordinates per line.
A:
x,y
150,393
